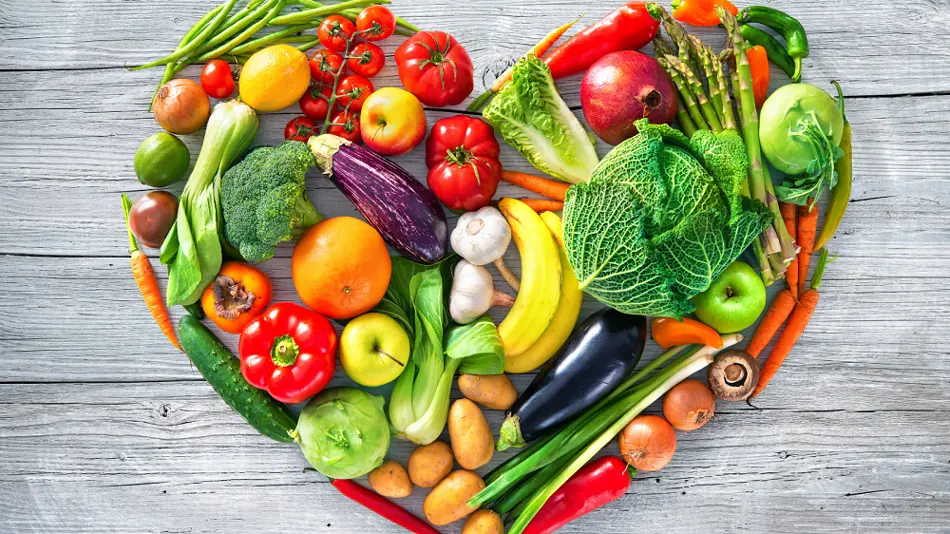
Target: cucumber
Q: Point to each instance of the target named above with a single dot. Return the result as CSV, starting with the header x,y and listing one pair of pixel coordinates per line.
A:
x,y
223,371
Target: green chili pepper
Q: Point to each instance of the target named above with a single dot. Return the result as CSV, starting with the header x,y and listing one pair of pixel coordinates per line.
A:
x,y
775,50
796,42
841,193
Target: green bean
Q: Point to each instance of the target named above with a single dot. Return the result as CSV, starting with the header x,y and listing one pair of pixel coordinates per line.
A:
x,y
308,45
309,14
249,18
262,41
243,36
196,42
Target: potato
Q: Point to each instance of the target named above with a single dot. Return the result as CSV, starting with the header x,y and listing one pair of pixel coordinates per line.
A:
x,y
446,503
429,464
471,437
494,392
390,480
484,522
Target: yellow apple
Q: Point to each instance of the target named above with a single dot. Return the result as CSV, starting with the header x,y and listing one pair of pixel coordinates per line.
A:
x,y
374,349
392,121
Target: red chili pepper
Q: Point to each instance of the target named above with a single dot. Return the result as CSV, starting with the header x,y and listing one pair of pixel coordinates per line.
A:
x,y
700,12
629,27
602,481
383,507
289,351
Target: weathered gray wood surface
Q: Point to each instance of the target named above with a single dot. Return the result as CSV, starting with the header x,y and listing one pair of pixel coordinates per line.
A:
x,y
105,428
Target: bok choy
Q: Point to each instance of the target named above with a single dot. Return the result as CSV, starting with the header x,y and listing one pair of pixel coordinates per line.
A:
x,y
416,297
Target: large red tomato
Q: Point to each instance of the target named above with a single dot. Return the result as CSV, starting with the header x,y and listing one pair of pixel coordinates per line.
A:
x,y
434,67
462,156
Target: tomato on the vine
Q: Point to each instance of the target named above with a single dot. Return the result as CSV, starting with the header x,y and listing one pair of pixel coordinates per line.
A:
x,y
346,124
300,129
366,59
352,91
435,68
315,103
335,31
462,157
217,79
375,23
324,64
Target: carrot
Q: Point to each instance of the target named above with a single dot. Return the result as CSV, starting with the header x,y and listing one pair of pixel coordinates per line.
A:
x,y
797,322
536,184
775,317
148,284
538,50
789,212
807,230
543,204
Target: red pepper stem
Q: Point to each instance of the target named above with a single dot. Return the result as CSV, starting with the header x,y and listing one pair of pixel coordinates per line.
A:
x,y
284,351
631,470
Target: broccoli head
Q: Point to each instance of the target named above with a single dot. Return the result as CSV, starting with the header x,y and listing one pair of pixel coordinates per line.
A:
x,y
264,200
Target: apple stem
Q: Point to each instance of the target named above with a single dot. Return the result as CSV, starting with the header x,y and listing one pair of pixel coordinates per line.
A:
x,y
388,355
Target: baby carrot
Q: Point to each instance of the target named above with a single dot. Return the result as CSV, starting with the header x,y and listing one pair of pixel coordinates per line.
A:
x,y
807,229
789,212
148,284
536,184
774,318
797,322
542,204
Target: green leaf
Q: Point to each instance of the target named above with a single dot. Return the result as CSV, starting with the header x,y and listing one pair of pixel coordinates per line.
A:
x,y
531,117
397,302
478,346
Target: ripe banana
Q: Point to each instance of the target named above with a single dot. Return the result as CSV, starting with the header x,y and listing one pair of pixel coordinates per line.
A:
x,y
568,309
540,291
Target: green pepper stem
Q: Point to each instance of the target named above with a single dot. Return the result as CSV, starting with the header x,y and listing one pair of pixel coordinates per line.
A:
x,y
284,351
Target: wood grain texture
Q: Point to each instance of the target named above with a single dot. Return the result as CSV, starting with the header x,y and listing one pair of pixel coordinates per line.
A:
x,y
106,428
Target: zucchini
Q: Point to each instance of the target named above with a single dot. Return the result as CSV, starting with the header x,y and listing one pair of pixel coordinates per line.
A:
x,y
223,371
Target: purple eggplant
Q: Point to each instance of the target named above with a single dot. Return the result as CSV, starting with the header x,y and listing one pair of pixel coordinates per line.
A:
x,y
408,215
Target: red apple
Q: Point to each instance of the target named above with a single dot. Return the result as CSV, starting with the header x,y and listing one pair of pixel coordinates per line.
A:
x,y
392,121
623,87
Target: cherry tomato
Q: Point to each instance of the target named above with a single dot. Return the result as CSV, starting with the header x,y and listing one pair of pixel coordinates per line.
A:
x,y
324,64
217,79
300,129
346,124
434,67
335,31
352,91
315,103
375,23
366,59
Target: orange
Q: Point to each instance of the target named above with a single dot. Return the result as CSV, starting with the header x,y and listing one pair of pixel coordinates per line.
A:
x,y
341,267
274,78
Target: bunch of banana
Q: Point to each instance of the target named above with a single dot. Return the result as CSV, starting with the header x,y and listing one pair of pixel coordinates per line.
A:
x,y
548,301
565,317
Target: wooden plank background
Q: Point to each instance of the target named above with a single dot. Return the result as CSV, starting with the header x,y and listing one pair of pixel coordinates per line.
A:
x,y
105,428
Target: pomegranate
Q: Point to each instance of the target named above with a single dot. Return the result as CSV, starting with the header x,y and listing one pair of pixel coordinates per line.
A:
x,y
623,87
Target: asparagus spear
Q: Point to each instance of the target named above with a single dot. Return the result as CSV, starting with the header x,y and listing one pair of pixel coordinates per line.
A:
x,y
694,85
715,95
662,47
685,94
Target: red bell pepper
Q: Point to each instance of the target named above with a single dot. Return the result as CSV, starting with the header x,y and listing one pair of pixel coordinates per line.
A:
x,y
629,27
600,482
290,351
462,157
383,507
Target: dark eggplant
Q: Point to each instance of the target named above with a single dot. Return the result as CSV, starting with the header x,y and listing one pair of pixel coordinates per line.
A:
x,y
405,213
600,354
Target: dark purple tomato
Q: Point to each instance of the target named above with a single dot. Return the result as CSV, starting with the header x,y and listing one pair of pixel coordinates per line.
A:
x,y
152,216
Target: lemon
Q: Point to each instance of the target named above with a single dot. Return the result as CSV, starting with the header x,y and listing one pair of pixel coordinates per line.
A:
x,y
274,78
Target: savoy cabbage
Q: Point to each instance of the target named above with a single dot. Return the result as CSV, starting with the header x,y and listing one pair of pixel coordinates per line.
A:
x,y
660,219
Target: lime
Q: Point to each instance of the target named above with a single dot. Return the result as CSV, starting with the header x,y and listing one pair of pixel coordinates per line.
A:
x,y
161,159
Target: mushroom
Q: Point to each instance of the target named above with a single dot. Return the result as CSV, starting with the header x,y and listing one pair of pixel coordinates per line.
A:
x,y
482,237
473,293
733,375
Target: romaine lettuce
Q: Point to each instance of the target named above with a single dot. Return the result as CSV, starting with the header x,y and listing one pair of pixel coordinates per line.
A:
x,y
531,117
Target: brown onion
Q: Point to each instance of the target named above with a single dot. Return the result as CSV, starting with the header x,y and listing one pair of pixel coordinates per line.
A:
x,y
648,443
182,106
689,405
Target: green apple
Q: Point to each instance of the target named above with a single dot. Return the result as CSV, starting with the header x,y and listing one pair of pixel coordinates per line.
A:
x,y
374,349
734,301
